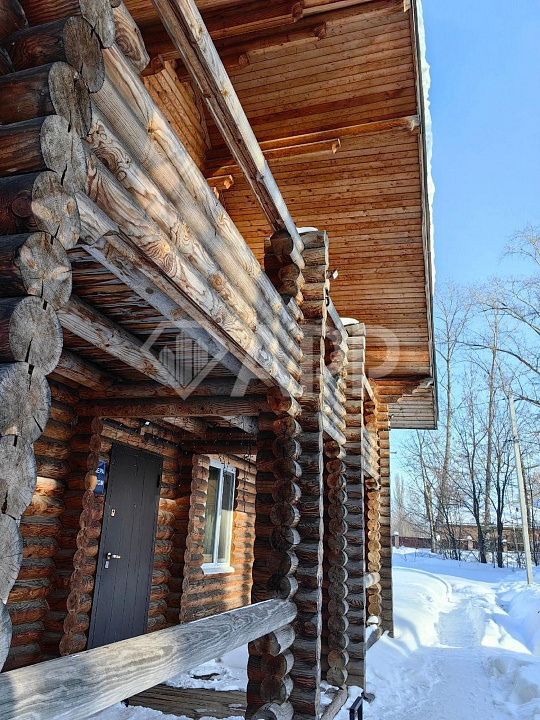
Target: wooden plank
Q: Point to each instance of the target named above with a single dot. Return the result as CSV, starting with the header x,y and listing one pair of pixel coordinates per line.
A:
x,y
192,702
186,28
83,684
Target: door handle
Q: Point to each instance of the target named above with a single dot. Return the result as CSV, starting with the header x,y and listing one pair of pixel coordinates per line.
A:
x,y
111,556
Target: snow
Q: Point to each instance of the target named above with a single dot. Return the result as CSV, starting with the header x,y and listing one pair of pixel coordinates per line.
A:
x,y
466,647
226,673
466,644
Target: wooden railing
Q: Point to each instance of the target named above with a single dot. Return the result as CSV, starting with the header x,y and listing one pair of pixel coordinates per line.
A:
x,y
76,686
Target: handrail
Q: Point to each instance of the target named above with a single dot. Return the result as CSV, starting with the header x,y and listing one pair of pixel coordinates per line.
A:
x,y
77,686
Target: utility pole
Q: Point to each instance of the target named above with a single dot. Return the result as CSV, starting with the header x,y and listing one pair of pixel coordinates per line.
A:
x,y
521,487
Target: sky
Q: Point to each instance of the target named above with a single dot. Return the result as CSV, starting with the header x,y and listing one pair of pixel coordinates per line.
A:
x,y
485,105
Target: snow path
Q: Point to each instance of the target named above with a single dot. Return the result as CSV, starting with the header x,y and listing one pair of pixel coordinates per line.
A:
x,y
457,652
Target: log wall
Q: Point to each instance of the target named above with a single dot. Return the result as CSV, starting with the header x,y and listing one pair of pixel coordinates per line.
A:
x,y
183,109
356,533
42,165
204,595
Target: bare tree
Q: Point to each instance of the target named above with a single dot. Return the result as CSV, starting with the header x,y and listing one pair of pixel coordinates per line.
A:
x,y
453,310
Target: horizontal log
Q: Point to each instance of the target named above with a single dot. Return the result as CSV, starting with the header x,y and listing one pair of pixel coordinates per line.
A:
x,y
98,13
46,90
70,40
29,333
39,201
43,143
157,407
83,684
12,17
26,401
35,264
172,168
186,28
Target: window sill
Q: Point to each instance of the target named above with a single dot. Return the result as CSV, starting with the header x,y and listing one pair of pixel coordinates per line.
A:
x,y
217,569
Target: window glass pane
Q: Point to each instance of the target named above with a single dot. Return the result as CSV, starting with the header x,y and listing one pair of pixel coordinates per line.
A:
x,y
211,514
227,509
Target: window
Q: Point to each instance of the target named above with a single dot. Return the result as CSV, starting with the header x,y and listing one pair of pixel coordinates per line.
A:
x,y
219,519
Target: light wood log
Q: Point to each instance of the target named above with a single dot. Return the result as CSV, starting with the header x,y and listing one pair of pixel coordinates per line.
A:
x,y
71,40
26,401
138,663
195,270
97,12
35,264
29,332
128,37
157,206
39,201
43,144
132,264
124,95
186,28
46,90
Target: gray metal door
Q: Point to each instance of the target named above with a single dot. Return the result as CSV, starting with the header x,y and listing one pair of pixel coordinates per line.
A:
x,y
126,550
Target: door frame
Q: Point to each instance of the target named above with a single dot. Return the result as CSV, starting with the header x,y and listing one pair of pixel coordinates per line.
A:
x,y
106,513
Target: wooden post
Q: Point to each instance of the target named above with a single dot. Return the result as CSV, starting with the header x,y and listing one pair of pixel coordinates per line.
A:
x,y
275,560
387,612
81,583
355,537
306,674
373,510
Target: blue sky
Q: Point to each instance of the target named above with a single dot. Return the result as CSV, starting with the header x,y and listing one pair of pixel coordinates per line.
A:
x,y
485,105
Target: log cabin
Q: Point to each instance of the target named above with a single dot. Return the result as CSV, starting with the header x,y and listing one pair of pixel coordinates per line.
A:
x,y
215,303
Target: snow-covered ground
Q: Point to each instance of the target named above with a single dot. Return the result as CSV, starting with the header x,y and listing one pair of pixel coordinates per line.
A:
x,y
466,647
467,644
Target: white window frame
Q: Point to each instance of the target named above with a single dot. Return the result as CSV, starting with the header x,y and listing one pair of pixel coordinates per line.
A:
x,y
216,567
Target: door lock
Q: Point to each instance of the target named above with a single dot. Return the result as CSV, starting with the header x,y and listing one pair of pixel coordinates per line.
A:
x,y
111,556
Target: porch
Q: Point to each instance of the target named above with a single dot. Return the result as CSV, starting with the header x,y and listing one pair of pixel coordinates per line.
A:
x,y
187,422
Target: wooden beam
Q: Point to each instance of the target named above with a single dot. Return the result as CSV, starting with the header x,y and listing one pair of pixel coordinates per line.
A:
x,y
186,28
221,182
83,371
218,406
323,148
116,251
308,142
251,16
97,329
83,684
252,38
208,387
247,424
